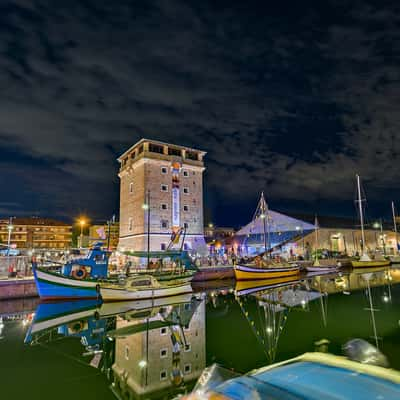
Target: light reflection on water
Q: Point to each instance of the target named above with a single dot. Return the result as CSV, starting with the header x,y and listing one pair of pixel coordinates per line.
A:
x,y
156,349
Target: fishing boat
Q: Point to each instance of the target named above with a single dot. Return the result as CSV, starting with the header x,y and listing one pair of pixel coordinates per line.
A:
x,y
310,376
87,278
262,266
143,287
365,260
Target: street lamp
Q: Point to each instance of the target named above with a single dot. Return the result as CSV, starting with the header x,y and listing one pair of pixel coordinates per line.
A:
x,y
82,223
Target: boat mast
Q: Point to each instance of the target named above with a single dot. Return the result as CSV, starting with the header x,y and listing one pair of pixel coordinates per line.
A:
x,y
264,216
316,262
395,228
364,253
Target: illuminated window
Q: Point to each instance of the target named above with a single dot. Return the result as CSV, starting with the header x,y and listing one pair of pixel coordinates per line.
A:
x,y
164,188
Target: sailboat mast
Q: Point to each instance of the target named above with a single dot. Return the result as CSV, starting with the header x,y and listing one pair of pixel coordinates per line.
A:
x,y
316,262
395,227
263,216
361,214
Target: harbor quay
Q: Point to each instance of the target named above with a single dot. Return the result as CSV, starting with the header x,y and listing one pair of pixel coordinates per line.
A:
x,y
158,304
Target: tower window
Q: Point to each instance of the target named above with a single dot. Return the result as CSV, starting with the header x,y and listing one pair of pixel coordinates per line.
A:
x,y
163,353
186,190
155,148
188,368
130,224
164,223
164,170
185,173
131,187
163,375
164,188
164,206
163,246
188,347
163,331
185,208
185,225
174,152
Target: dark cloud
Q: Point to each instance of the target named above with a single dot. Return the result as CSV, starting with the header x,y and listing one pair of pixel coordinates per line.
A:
x,y
293,100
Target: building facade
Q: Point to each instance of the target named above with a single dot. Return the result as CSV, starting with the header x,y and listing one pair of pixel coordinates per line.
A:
x,y
161,191
99,233
36,233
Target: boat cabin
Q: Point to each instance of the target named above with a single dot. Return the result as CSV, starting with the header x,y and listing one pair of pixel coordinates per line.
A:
x,y
94,265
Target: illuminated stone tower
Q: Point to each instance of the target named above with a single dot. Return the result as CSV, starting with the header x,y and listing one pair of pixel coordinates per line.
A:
x,y
170,179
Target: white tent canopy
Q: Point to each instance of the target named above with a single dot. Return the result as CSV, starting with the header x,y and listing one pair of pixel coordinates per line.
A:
x,y
277,223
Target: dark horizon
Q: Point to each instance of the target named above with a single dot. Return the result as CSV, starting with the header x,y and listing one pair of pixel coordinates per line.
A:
x,y
293,101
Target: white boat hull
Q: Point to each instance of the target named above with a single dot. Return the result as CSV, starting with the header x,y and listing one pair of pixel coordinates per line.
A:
x,y
109,293
322,269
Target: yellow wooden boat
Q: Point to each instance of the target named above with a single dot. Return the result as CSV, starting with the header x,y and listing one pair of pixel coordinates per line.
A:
x,y
370,263
246,272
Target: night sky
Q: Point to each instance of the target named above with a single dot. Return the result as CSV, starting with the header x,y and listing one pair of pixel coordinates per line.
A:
x,y
293,98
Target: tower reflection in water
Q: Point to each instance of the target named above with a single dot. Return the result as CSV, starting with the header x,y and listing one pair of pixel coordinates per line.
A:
x,y
159,350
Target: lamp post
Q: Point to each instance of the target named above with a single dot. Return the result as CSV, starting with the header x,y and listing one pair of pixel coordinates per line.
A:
x,y
146,207
82,224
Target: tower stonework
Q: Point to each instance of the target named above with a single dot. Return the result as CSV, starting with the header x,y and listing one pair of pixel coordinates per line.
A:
x,y
168,178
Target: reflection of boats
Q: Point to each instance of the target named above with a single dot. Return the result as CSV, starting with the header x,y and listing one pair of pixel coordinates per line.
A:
x,y
247,287
264,268
365,261
307,377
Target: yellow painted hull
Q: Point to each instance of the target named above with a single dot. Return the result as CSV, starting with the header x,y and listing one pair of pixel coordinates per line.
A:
x,y
246,273
265,284
370,264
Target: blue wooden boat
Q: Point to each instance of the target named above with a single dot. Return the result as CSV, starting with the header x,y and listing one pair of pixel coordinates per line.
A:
x,y
311,376
79,278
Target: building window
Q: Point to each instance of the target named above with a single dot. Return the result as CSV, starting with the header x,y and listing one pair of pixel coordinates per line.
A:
x,y
186,246
188,368
163,353
163,246
188,347
164,223
185,173
140,149
127,352
191,155
164,206
164,188
186,190
185,225
130,224
131,187
174,152
164,170
163,331
185,208
155,148
163,375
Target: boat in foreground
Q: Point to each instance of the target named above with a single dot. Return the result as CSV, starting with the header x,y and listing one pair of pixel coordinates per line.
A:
x,y
249,272
311,376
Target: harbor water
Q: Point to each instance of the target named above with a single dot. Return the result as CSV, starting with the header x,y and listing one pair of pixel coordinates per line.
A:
x,y
158,349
